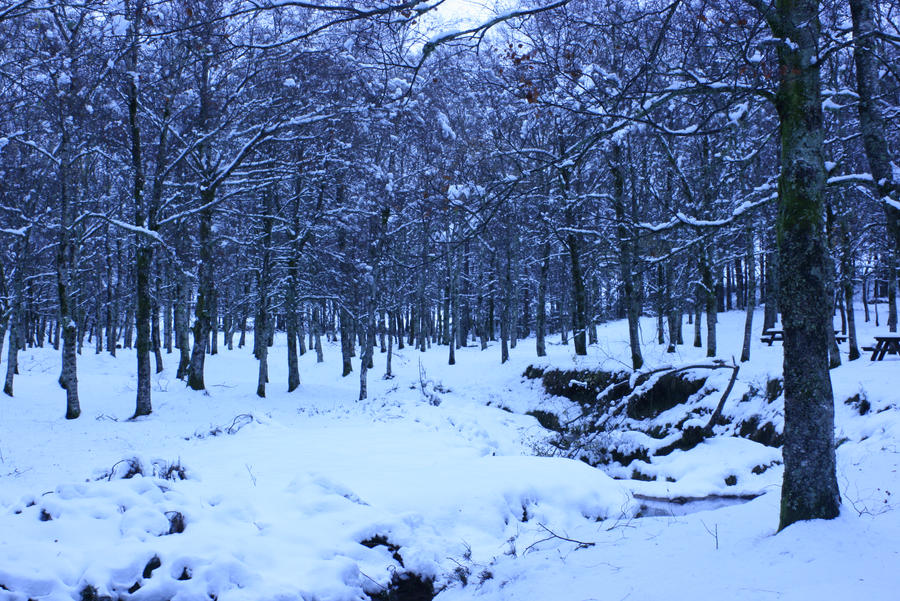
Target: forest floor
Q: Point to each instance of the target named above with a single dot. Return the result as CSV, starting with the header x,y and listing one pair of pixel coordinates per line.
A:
x,y
314,495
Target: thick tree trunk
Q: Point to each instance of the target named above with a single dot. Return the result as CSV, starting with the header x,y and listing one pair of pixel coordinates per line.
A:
x,y
809,490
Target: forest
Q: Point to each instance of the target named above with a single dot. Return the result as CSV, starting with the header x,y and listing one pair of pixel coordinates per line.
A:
x,y
183,179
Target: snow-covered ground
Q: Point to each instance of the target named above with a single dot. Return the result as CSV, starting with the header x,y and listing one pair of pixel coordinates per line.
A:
x,y
450,482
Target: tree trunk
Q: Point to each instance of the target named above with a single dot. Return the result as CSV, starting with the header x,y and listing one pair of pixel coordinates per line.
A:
x,y
167,322
154,333
293,332
865,295
12,363
261,323
871,123
205,295
708,290
346,342
660,305
809,490
626,259
144,252
579,304
750,296
214,326
541,318
770,315
848,301
453,308
180,315
111,311
143,260
317,331
892,292
698,315
392,325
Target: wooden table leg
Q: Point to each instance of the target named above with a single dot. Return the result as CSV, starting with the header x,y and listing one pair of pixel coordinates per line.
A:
x,y
875,352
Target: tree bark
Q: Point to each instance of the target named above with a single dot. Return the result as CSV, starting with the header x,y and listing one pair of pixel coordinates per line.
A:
x,y
205,295
710,301
809,490
541,318
626,259
750,296
871,123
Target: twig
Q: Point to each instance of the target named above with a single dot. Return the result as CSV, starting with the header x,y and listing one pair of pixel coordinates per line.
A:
x,y
245,418
713,533
580,544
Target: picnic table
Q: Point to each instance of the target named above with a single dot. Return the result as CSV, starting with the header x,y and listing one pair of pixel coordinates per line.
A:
x,y
888,344
776,334
771,335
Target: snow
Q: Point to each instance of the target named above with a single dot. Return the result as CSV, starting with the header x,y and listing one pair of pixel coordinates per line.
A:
x,y
850,178
446,129
738,112
280,492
